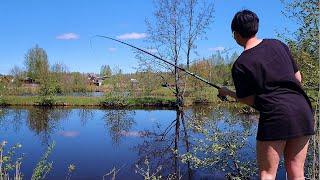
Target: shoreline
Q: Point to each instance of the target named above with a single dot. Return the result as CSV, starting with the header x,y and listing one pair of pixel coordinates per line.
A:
x,y
118,103
83,101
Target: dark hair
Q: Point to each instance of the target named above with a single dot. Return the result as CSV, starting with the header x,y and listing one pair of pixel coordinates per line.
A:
x,y
246,23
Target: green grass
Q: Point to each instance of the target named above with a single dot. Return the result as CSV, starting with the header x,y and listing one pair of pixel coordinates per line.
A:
x,y
58,100
89,101
139,101
207,95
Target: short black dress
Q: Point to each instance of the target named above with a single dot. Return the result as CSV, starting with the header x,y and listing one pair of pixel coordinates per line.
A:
x,y
268,72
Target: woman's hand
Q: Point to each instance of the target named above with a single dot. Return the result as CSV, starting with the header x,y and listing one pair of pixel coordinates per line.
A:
x,y
224,91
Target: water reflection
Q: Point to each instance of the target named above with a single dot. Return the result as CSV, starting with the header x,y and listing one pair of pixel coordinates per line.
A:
x,y
119,123
45,121
15,121
222,143
162,146
85,115
191,143
206,140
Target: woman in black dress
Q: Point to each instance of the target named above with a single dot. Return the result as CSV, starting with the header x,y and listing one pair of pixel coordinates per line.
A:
x,y
267,78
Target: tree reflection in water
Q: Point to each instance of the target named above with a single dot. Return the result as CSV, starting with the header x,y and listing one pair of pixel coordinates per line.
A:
x,y
222,143
162,147
206,140
15,121
85,115
118,123
45,121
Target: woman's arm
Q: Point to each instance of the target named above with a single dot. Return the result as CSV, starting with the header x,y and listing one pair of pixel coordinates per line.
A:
x,y
249,100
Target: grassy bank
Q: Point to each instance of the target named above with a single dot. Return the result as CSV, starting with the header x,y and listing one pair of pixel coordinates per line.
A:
x,y
112,102
100,101
97,101
57,101
89,101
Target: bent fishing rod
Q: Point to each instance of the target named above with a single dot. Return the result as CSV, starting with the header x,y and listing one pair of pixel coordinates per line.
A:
x,y
170,63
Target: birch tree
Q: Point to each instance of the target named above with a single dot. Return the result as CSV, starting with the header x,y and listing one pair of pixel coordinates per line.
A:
x,y
173,33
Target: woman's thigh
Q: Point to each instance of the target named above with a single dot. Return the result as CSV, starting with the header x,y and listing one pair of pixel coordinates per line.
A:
x,y
295,154
268,156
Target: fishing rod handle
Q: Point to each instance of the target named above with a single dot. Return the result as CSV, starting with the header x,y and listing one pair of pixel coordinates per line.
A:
x,y
222,98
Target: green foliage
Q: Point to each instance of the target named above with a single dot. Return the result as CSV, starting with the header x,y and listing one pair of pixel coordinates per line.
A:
x,y
78,82
122,101
3,92
304,44
3,101
43,167
216,69
105,70
18,74
3,88
46,101
8,163
146,173
218,148
114,100
36,63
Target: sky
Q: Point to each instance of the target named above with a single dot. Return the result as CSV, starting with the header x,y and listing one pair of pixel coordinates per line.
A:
x,y
64,29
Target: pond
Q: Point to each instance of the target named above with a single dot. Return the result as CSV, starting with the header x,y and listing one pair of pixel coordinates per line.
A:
x,y
199,142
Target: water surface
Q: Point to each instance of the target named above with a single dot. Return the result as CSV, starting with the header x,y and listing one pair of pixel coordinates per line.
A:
x,y
96,140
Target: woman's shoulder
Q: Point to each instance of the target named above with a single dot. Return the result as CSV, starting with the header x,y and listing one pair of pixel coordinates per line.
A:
x,y
258,54
276,42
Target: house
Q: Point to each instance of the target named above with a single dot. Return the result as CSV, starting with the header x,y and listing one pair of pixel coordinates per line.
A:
x,y
28,80
96,80
134,83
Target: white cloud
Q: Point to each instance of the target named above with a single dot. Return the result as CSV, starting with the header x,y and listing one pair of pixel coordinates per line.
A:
x,y
132,36
219,48
112,49
68,36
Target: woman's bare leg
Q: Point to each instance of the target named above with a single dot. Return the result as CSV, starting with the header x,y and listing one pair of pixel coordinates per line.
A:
x,y
268,157
295,154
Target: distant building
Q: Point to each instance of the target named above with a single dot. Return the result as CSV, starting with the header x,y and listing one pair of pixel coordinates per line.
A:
x,y
28,80
134,83
96,80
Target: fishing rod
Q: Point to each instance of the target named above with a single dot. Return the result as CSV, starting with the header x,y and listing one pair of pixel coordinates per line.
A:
x,y
224,98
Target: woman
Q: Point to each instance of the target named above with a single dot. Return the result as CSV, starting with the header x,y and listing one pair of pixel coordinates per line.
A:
x,y
266,77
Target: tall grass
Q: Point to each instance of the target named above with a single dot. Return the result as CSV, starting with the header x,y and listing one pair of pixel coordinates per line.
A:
x,y
10,167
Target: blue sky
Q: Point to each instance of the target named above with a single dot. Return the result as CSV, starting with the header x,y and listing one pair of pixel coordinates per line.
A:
x,y
64,28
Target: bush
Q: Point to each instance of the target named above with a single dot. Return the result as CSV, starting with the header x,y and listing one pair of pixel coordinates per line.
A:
x,y
46,101
3,101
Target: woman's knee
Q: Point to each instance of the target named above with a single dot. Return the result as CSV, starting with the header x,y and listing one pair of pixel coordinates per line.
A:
x,y
294,155
265,175
268,157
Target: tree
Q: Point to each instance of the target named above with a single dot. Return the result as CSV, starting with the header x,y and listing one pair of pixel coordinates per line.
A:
x,y
177,26
18,74
59,77
105,70
78,82
37,67
304,44
36,63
